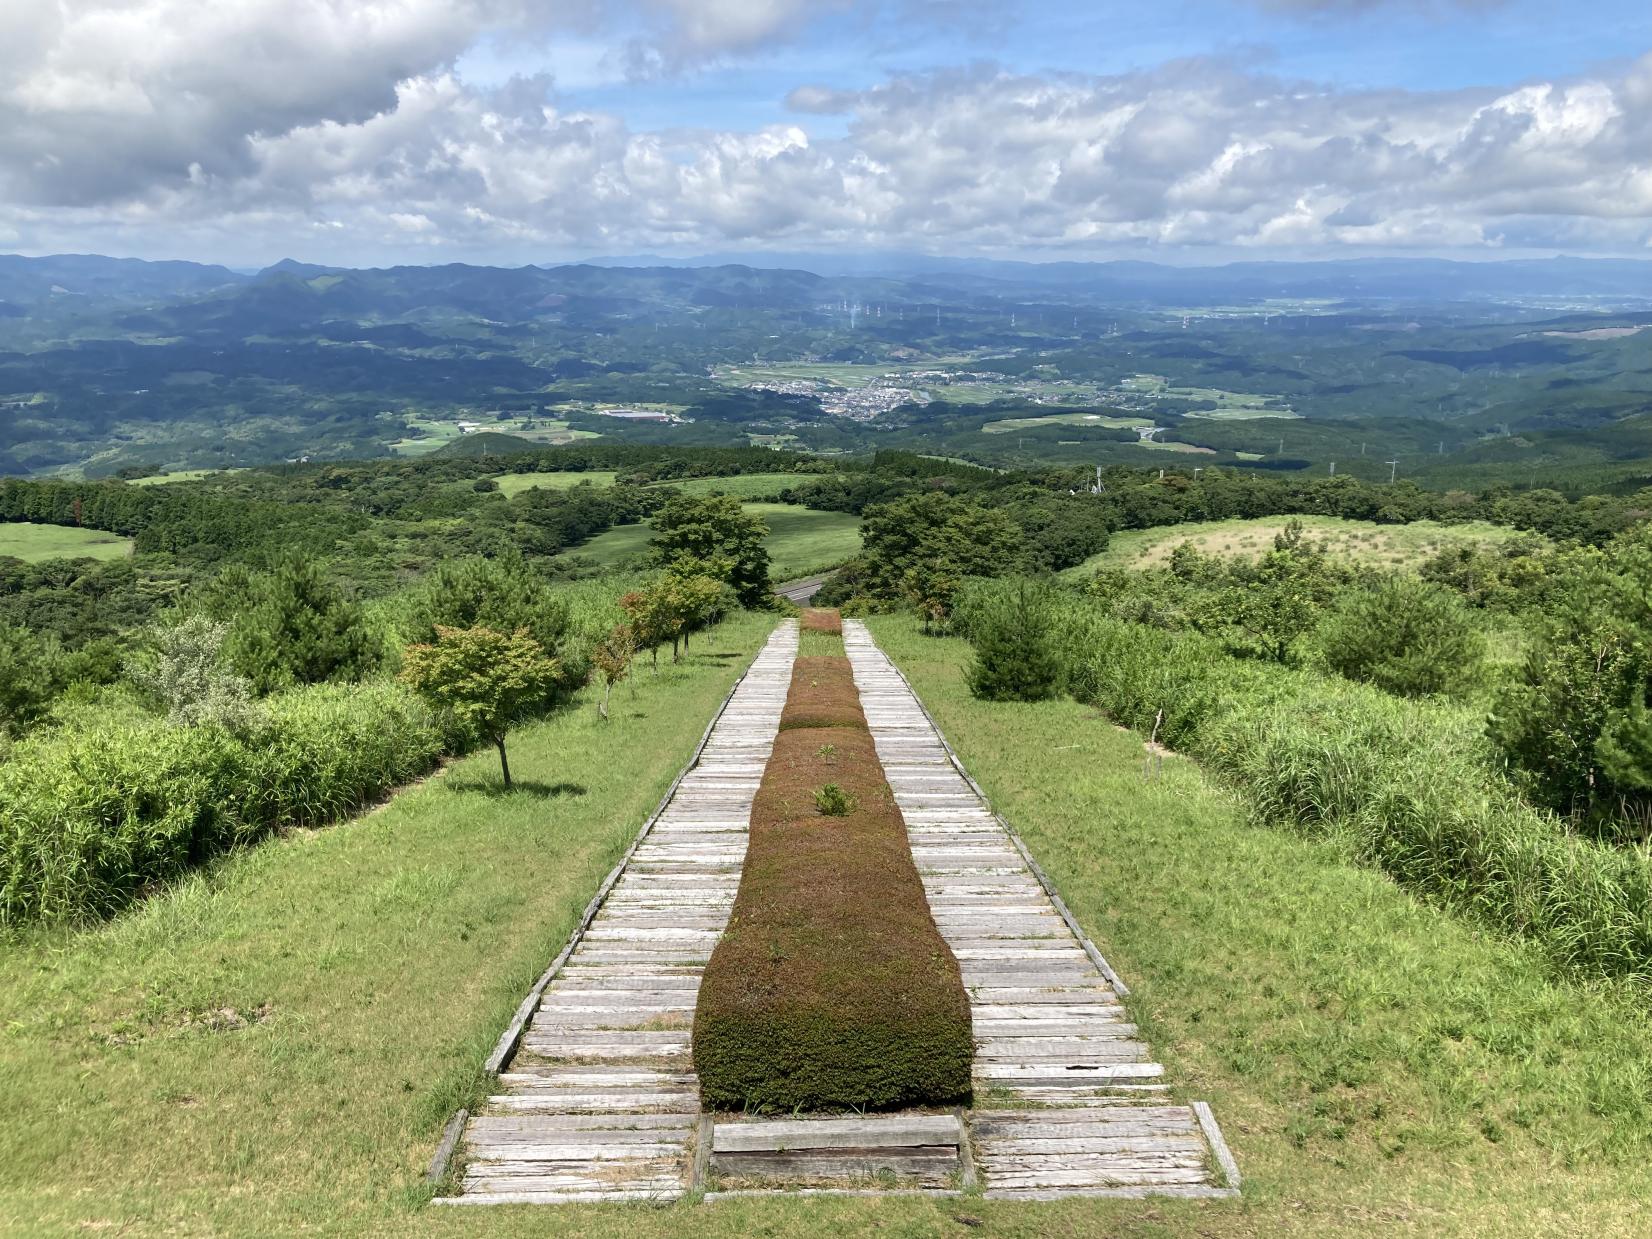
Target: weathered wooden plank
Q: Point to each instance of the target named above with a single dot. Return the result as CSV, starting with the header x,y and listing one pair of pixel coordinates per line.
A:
x,y
895,1130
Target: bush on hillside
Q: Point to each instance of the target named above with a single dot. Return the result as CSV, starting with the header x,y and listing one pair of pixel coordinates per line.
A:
x,y
1411,784
1406,637
183,673
292,626
96,814
504,594
1015,657
1570,721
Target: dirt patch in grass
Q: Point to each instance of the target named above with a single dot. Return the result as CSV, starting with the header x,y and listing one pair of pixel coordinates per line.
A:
x,y
832,987
823,619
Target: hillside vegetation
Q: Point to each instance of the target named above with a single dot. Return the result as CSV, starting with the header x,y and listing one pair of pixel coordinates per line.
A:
x,y
1381,1065
1366,542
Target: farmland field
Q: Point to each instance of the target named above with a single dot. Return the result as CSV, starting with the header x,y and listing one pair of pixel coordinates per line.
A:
x,y
1230,405
1065,419
33,543
800,540
1364,541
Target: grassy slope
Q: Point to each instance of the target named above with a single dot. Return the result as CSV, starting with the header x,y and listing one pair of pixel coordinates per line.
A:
x,y
392,951
743,486
800,540
1366,541
1377,1065
515,483
34,543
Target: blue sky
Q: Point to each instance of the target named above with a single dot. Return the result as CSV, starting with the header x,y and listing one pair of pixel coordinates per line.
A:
x,y
1408,46
540,130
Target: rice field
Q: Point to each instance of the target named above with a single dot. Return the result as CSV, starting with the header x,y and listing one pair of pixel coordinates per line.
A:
x,y
1393,546
33,543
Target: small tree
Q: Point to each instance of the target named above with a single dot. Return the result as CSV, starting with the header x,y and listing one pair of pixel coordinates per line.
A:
x,y
1405,636
648,615
184,673
612,660
1015,657
486,678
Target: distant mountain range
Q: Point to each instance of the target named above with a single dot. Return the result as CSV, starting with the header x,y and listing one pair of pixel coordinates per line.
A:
x,y
71,283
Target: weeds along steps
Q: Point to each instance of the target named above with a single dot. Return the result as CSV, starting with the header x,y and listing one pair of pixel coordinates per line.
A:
x,y
831,987
1413,792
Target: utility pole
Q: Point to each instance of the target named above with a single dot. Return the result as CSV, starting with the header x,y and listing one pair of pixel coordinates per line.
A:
x,y
1393,468
1333,468
1197,472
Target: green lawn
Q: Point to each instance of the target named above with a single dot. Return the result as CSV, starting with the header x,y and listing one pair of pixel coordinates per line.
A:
x,y
1365,541
1379,1066
516,483
376,963
800,540
182,475
743,486
33,543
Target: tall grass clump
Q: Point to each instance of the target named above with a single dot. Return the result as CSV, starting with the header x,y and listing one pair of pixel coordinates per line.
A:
x,y
96,813
1412,786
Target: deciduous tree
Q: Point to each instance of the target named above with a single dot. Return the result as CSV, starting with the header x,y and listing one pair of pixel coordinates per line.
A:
x,y
485,677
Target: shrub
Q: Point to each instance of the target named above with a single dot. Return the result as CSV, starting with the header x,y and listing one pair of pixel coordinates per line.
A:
x,y
100,812
832,800
503,594
184,674
293,626
719,537
831,987
1406,637
1566,722
1411,785
1015,658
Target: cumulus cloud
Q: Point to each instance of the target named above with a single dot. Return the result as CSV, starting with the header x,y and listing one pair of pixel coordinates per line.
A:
x,y
338,130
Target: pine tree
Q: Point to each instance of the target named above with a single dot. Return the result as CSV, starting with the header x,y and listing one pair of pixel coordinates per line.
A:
x,y
1015,656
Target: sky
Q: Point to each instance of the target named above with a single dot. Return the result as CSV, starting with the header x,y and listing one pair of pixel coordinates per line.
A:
x,y
371,132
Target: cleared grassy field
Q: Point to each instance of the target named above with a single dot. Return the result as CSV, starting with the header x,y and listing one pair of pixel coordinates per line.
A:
x,y
1397,546
1064,419
743,486
272,1047
33,543
516,483
800,540
182,475
1379,1066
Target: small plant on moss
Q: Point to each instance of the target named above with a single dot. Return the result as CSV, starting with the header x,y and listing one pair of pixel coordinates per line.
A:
x,y
833,801
827,753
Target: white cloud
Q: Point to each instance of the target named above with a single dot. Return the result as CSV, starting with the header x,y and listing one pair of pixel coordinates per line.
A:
x,y
339,129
